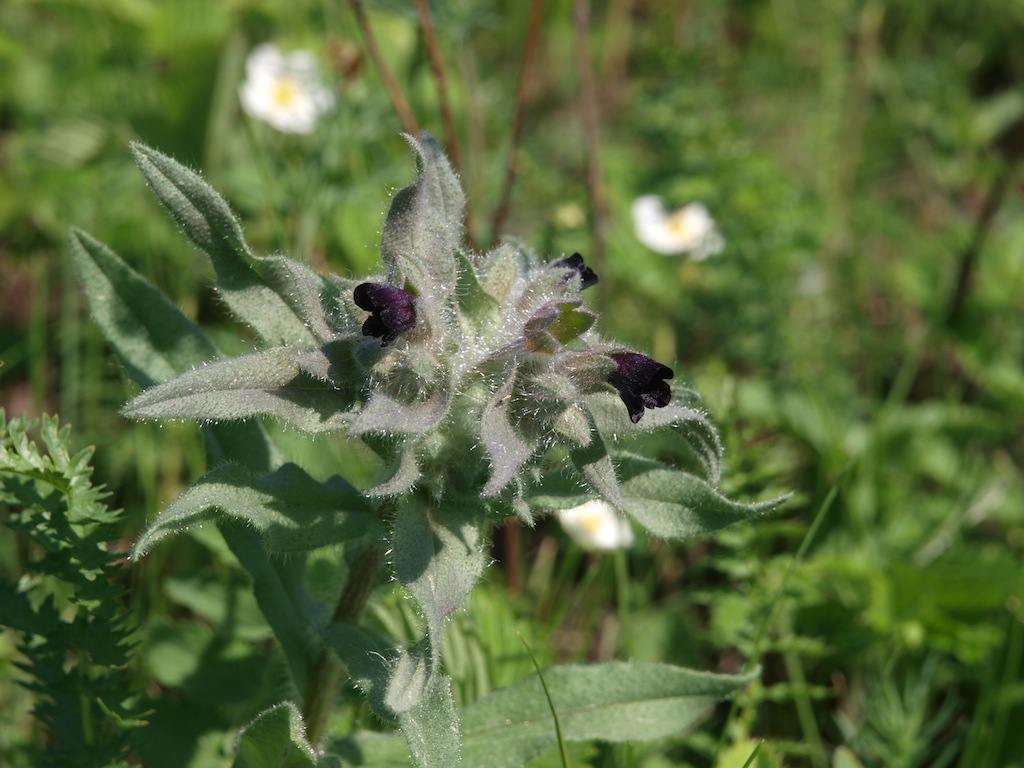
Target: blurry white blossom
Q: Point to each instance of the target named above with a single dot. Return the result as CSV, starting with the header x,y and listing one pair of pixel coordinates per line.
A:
x,y
688,230
284,90
596,525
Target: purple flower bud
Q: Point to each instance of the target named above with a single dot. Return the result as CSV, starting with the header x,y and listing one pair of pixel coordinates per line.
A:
x,y
392,310
575,262
641,382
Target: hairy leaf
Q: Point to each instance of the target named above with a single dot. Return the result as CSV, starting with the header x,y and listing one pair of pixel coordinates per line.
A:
x,y
668,502
423,229
280,298
507,449
269,383
292,511
616,702
277,739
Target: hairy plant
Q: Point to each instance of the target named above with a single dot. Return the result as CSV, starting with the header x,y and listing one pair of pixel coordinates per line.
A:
x,y
483,386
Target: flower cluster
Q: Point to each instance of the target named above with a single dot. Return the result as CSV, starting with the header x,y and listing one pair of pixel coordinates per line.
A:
x,y
688,230
469,373
284,90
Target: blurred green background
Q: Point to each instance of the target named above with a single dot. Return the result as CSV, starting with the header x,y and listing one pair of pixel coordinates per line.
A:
x,y
859,340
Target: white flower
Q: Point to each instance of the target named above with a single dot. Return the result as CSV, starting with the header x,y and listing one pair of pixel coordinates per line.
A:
x,y
688,230
284,91
596,525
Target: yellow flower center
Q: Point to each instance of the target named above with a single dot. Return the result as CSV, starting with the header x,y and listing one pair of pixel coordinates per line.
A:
x,y
286,91
677,223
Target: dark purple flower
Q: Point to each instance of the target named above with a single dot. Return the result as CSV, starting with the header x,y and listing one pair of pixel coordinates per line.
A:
x,y
575,263
392,310
641,382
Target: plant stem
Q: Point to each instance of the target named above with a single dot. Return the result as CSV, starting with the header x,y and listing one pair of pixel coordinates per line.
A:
x,y
329,670
532,34
398,99
451,137
589,118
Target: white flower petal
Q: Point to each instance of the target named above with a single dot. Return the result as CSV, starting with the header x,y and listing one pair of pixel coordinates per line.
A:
x,y
691,229
596,525
284,90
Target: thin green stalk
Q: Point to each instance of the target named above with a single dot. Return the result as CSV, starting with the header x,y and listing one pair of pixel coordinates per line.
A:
x,y
804,709
563,752
812,532
329,671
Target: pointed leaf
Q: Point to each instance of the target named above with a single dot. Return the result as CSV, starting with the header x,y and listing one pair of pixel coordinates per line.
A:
x,y
506,448
279,587
277,739
668,502
431,729
612,419
155,341
291,510
616,702
148,332
267,383
387,415
423,229
593,462
280,298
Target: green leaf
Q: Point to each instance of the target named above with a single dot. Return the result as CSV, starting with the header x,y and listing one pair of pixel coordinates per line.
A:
x,y
431,728
438,556
612,419
668,502
268,383
387,415
616,702
506,448
291,510
423,229
277,739
155,341
593,462
280,298
278,585
148,332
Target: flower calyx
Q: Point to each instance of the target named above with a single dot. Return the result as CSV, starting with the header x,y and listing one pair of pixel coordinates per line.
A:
x,y
641,382
392,310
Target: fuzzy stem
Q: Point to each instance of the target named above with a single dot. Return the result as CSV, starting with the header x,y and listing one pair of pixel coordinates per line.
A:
x,y
329,670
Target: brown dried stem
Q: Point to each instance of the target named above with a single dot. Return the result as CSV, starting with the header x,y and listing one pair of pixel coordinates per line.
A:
x,y
529,49
398,100
589,119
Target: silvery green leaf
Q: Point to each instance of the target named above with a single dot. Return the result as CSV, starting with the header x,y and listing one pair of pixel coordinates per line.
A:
x,y
369,659
277,739
438,556
507,449
268,383
423,229
155,341
280,298
149,334
431,728
385,414
279,586
614,702
593,462
292,511
503,271
405,476
668,502
612,419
